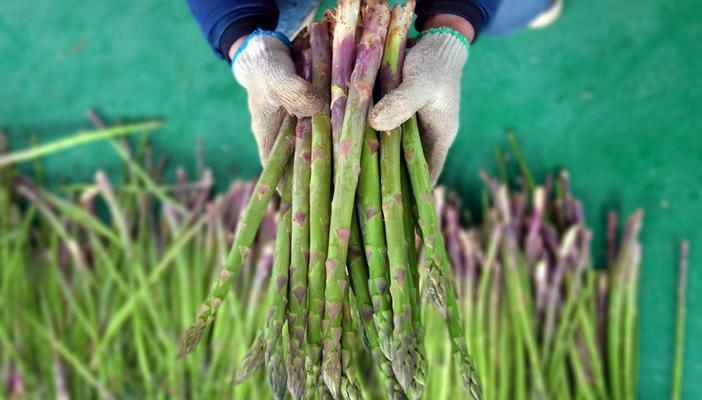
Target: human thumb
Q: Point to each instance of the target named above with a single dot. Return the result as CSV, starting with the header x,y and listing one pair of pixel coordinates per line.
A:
x,y
397,106
297,96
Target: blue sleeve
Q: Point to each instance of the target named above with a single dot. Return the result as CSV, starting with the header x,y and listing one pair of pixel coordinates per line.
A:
x,y
477,12
224,21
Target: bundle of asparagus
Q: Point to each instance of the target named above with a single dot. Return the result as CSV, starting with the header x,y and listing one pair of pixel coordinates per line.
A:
x,y
393,200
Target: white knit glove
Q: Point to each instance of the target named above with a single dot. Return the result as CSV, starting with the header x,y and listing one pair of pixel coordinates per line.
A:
x,y
262,65
431,86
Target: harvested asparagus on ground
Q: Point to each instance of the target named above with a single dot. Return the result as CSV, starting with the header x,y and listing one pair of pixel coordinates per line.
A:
x,y
111,280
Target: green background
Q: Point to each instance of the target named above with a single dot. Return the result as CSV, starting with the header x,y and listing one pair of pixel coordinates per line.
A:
x,y
612,92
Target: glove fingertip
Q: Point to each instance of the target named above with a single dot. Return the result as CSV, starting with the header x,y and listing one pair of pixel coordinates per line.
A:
x,y
383,118
305,103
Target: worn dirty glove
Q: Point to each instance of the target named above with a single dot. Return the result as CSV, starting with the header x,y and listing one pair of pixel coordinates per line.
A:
x,y
431,86
263,66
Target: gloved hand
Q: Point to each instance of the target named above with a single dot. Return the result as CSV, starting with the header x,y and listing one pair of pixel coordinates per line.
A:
x,y
262,65
431,85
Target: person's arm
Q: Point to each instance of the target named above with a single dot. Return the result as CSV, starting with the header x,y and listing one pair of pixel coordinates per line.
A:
x,y
225,22
243,33
456,14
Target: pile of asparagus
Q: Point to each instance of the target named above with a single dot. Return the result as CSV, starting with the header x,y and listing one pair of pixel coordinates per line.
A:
x,y
543,321
119,267
352,201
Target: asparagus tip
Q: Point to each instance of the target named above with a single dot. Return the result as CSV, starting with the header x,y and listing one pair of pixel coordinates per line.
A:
x,y
403,363
435,291
277,374
191,337
252,360
331,373
350,390
297,378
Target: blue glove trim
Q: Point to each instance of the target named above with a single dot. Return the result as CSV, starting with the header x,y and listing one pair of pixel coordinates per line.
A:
x,y
278,35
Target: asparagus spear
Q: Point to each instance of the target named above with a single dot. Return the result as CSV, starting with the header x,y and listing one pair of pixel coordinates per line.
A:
x,y
371,220
618,365
343,50
300,242
435,254
278,294
630,308
409,222
402,349
358,274
246,233
676,391
349,341
361,85
320,198
403,353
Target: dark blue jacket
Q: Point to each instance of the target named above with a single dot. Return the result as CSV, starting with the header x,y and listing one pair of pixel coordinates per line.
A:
x,y
224,21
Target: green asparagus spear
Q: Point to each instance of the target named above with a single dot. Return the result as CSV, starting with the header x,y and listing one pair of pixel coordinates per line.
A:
x,y
349,342
435,254
369,53
358,274
402,349
676,391
403,354
278,294
246,233
371,220
320,199
300,247
343,43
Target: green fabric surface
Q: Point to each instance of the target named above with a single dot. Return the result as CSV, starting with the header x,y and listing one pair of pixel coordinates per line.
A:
x,y
612,92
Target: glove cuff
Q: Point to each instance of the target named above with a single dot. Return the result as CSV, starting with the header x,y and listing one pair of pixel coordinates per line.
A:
x,y
259,33
447,45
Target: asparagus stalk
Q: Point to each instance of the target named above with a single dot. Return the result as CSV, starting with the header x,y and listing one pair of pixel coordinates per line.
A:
x,y
676,391
349,153
358,274
403,352
343,46
320,198
349,342
402,349
246,233
300,242
630,331
409,224
435,254
371,220
618,365
278,294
